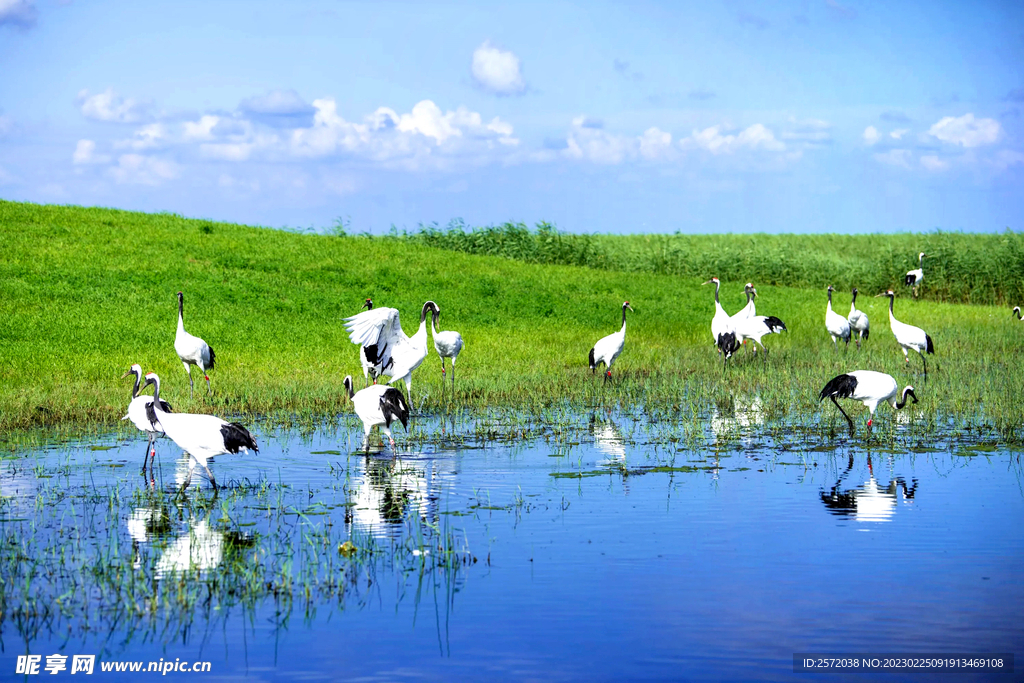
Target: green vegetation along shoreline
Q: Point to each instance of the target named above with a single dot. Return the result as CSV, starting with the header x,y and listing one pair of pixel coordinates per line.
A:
x,y
88,292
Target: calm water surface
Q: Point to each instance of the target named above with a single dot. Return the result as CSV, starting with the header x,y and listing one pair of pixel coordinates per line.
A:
x,y
598,548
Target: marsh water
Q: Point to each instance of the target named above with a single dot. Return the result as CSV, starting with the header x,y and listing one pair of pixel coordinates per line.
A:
x,y
599,545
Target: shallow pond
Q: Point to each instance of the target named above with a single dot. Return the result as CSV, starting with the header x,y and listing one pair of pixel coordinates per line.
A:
x,y
601,546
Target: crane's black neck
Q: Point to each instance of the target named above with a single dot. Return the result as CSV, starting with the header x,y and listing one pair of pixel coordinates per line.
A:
x,y
1017,313
156,392
348,386
830,297
717,285
623,316
906,392
854,301
181,308
428,306
892,298
135,389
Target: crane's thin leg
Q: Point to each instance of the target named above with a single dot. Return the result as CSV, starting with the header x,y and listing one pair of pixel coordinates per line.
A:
x,y
925,363
765,349
844,413
835,345
213,482
191,387
209,389
145,457
443,373
188,477
453,376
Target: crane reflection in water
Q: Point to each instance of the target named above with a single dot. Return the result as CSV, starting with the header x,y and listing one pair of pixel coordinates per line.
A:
x,y
869,502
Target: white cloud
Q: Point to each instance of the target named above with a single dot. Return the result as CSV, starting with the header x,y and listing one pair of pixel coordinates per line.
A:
x,y
899,133
811,132
201,130
895,157
85,153
18,12
109,106
136,169
932,162
385,135
147,137
755,137
871,135
497,70
656,144
593,143
966,131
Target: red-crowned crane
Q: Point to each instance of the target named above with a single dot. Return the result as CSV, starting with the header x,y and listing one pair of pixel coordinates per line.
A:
x,y
393,353
448,344
868,387
838,326
721,323
755,328
140,412
858,320
378,405
607,349
201,436
192,350
915,277
908,336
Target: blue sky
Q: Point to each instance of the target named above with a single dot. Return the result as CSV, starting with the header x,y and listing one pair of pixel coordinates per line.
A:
x,y
738,116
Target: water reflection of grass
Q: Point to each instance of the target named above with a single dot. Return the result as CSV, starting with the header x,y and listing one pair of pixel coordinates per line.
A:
x,y
90,291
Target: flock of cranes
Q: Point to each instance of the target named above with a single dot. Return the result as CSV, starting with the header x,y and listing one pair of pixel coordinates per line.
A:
x,y
386,351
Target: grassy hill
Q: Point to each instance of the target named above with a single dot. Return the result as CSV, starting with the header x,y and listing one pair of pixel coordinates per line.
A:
x,y
88,292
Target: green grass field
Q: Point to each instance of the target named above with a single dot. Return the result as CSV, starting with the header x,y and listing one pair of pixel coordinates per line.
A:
x,y
88,292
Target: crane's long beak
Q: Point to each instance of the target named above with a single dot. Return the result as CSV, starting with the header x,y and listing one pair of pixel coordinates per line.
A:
x,y
126,374
882,294
708,282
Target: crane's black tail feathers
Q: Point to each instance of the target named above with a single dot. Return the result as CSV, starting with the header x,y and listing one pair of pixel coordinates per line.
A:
x,y
592,364
774,324
237,437
910,280
392,405
727,343
842,386
931,346
867,332
213,357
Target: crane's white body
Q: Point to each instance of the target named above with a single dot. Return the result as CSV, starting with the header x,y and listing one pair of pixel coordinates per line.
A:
x,y
721,323
139,415
858,319
448,344
607,349
908,336
748,311
757,327
870,388
201,436
378,406
915,277
398,354
192,350
838,326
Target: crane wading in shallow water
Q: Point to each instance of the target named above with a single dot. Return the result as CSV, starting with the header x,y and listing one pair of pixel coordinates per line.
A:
x,y
868,387
378,405
915,277
201,436
838,326
192,350
858,320
138,413
448,344
908,336
607,349
392,352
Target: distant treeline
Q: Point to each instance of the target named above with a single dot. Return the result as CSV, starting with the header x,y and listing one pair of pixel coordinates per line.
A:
x,y
960,267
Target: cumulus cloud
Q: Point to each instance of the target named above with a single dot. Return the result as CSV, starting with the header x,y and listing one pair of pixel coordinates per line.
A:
x,y
756,137
385,135
810,132
899,133
150,136
18,13
497,70
85,153
136,169
871,135
279,109
931,162
109,106
966,130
